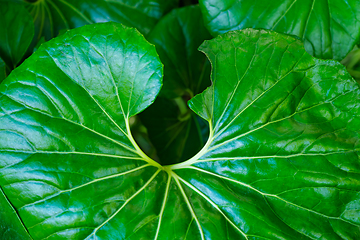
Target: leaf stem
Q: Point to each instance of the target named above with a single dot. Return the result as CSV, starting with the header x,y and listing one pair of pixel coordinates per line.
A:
x,y
185,113
138,149
197,156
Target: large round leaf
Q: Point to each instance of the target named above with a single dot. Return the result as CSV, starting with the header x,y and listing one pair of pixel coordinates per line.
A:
x,y
329,28
65,112
281,162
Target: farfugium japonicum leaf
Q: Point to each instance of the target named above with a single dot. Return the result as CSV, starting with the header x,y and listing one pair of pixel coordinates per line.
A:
x,y
281,161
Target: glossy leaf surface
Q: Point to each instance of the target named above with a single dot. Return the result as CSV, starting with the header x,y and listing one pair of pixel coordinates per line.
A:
x,y
178,133
329,29
65,112
16,33
11,227
281,162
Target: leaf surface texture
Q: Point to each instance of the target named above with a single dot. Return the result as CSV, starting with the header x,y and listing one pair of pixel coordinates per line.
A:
x,y
281,162
329,28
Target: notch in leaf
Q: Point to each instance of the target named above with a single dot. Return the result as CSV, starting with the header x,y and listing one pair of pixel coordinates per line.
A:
x,y
284,142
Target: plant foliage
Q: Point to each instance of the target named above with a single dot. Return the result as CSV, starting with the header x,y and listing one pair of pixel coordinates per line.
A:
x,y
273,143
265,146
329,29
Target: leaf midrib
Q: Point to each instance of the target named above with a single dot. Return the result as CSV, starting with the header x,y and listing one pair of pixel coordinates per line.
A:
x,y
126,202
72,122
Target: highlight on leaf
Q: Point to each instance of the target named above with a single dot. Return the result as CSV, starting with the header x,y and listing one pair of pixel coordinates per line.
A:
x,y
281,160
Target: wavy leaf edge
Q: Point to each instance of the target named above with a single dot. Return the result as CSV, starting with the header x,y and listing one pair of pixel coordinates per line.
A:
x,y
169,169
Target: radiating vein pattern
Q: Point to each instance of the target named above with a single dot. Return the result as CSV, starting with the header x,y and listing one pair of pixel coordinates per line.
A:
x,y
69,122
285,143
281,162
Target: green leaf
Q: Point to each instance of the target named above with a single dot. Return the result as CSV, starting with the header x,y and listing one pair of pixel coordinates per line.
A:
x,y
67,108
352,63
329,29
50,16
16,32
176,136
177,37
2,70
177,133
11,227
281,162
38,44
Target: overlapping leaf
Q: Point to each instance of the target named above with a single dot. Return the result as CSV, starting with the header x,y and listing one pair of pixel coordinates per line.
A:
x,y
16,34
352,63
11,227
177,37
281,162
2,70
329,29
177,133
65,112
50,16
